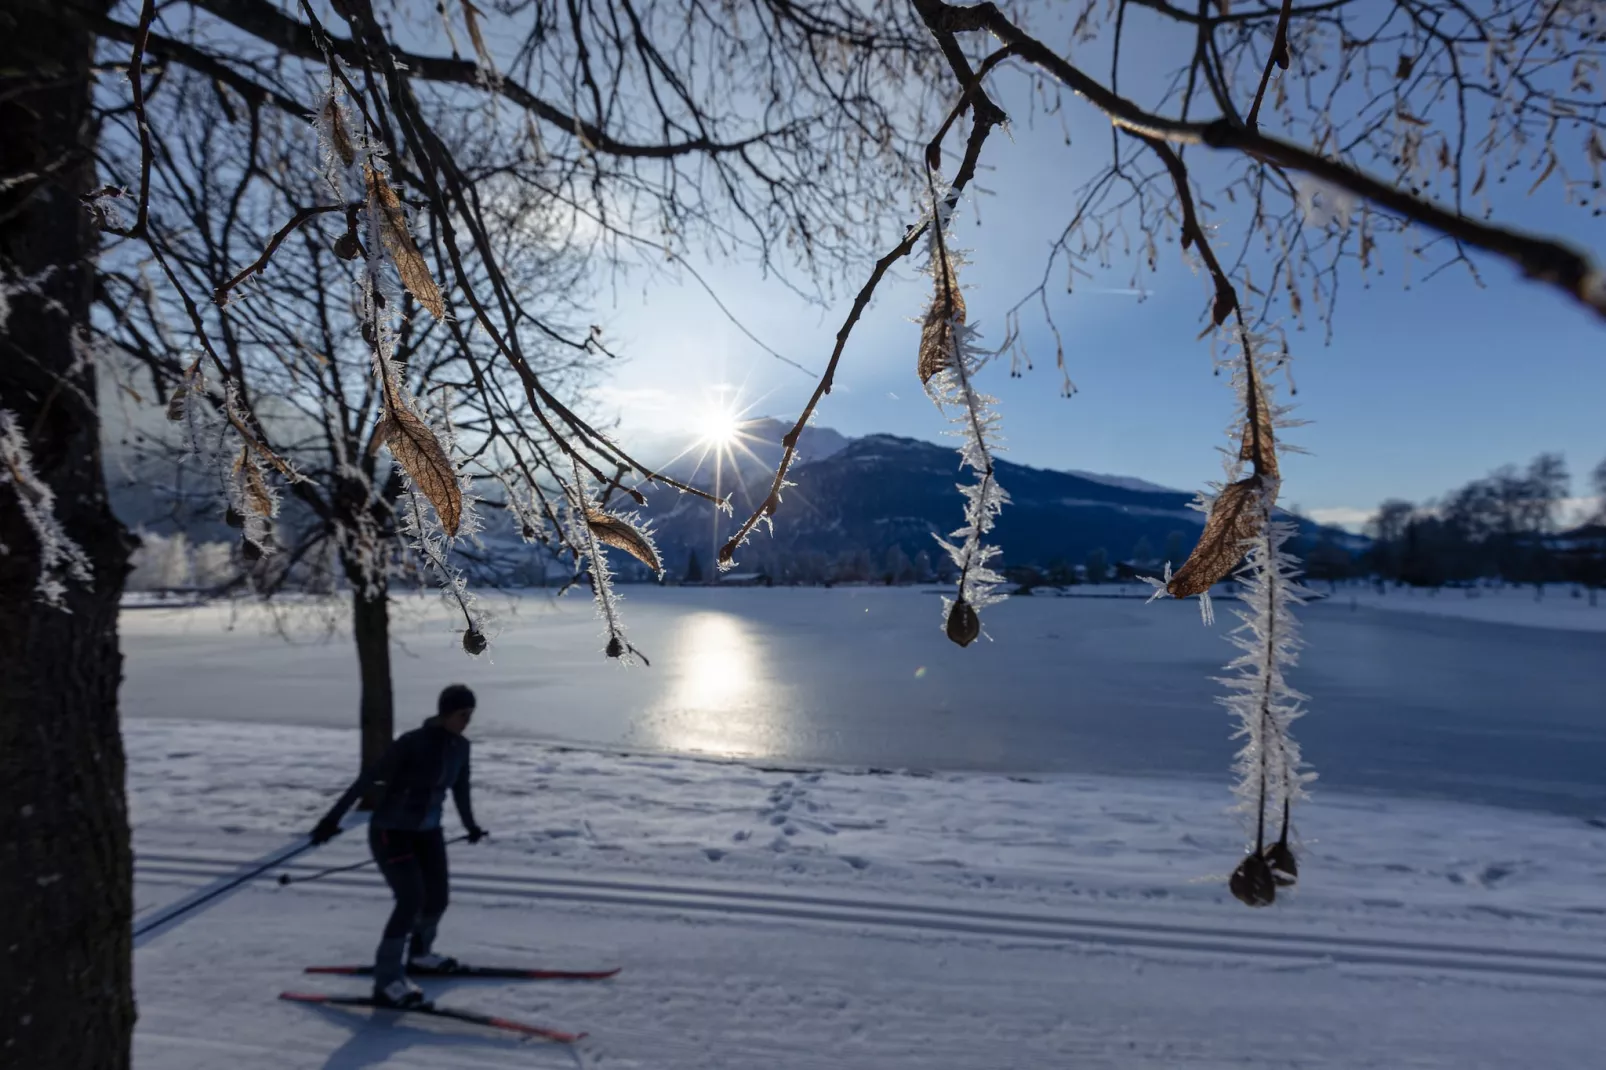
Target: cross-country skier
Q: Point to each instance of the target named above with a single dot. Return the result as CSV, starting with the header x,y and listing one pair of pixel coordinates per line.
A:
x,y
404,833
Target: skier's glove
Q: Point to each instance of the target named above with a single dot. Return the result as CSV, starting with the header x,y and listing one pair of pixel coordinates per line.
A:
x,y
325,831
476,834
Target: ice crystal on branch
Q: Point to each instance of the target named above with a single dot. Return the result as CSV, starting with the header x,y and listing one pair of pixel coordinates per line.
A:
x,y
60,558
948,364
1270,770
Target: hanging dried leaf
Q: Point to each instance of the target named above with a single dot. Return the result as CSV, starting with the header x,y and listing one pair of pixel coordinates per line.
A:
x,y
417,450
938,339
623,535
1234,519
175,403
409,261
232,517
338,133
1402,71
1252,883
964,626
254,487
1226,301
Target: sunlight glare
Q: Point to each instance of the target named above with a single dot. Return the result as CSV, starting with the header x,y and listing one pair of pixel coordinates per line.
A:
x,y
720,426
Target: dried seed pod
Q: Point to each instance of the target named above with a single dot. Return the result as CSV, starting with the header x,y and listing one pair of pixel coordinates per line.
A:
x,y
964,626
938,340
249,550
616,647
175,403
474,641
1234,519
347,247
618,532
1252,883
398,242
232,517
417,450
1284,867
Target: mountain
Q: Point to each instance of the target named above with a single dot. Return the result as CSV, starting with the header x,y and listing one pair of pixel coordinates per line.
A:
x,y
756,454
853,501
873,493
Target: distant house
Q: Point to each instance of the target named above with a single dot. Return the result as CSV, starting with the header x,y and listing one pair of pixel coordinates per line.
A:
x,y
1135,570
744,579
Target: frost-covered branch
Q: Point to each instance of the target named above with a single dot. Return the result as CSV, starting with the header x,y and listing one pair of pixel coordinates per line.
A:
x,y
948,363
60,558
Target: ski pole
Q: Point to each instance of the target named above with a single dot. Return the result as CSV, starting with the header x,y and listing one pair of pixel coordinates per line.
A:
x,y
285,878
206,895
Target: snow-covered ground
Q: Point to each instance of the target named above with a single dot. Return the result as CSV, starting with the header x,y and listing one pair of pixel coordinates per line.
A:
x,y
1558,605
782,918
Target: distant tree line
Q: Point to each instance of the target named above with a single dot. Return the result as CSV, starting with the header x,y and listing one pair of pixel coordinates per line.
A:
x,y
1505,527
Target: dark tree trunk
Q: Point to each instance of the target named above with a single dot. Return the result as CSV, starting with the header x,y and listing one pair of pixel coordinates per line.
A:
x,y
370,625
65,868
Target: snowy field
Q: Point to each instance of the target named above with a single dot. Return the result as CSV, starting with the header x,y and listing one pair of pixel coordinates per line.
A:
x,y
1401,703
771,918
1560,606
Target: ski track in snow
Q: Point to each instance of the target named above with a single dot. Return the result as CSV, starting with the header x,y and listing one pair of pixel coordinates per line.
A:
x,y
817,919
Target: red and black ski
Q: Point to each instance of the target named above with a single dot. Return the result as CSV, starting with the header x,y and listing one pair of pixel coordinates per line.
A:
x,y
507,973
490,1020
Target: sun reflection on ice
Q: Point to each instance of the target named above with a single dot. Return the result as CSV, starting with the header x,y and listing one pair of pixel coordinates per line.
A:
x,y
712,702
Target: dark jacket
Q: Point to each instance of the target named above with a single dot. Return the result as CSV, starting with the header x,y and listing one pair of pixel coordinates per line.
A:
x,y
413,776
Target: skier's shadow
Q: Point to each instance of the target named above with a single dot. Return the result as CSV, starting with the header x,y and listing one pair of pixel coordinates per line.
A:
x,y
378,1035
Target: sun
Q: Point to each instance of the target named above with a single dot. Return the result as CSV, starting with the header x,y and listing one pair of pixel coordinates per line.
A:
x,y
720,426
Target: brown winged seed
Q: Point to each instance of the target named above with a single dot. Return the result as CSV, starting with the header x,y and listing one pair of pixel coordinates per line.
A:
x,y
1234,519
937,332
620,533
409,261
417,450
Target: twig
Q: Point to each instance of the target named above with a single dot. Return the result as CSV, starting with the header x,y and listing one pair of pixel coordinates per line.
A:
x,y
221,294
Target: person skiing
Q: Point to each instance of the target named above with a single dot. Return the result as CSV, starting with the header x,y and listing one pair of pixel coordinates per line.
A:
x,y
404,834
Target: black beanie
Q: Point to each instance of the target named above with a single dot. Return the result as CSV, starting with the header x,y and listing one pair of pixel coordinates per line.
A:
x,y
454,697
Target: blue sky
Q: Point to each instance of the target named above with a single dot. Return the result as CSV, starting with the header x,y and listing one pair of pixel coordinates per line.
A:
x,y
1419,391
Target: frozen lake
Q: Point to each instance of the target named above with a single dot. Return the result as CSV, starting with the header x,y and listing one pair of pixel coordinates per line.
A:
x,y
1401,704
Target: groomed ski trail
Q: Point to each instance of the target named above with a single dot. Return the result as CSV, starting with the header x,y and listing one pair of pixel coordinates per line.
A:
x,y
1284,947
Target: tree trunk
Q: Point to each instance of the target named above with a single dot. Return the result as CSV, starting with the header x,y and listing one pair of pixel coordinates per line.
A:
x,y
65,865
370,625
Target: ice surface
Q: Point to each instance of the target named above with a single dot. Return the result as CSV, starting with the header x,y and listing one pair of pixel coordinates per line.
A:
x,y
1400,703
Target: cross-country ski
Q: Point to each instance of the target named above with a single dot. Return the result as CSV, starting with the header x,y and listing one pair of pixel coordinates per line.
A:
x,y
434,1010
